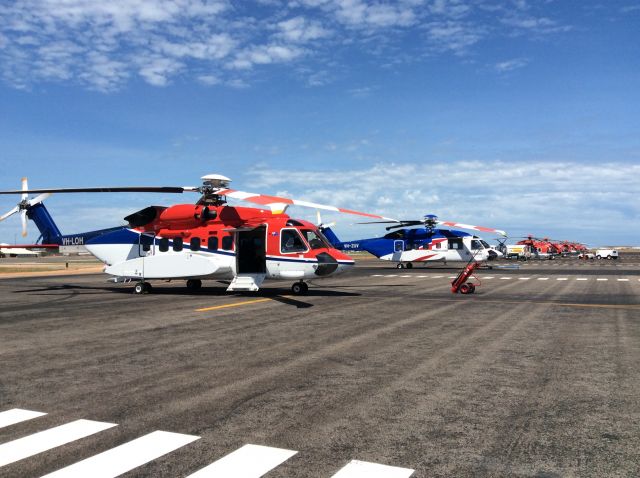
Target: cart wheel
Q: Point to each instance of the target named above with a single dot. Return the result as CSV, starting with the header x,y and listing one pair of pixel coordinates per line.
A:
x,y
465,289
472,288
400,265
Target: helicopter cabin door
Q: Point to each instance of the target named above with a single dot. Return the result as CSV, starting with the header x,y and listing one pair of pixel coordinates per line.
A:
x,y
251,251
398,247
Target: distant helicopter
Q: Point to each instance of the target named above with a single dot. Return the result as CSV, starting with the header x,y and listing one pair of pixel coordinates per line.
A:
x,y
206,240
423,244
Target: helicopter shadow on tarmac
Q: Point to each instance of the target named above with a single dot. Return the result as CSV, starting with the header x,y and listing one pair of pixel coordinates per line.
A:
x,y
73,290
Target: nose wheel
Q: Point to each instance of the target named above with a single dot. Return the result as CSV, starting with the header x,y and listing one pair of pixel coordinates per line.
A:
x,y
299,288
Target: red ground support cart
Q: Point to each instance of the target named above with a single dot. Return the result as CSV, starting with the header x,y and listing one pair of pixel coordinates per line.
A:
x,y
460,283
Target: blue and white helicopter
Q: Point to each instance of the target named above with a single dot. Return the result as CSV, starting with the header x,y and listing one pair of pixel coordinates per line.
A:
x,y
406,244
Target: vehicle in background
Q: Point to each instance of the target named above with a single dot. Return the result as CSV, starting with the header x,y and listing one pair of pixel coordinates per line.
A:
x,y
586,255
521,252
606,254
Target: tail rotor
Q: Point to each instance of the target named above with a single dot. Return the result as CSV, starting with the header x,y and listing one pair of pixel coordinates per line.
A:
x,y
24,205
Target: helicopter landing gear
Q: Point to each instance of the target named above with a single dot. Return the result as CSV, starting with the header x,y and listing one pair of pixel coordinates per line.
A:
x,y
142,288
194,285
409,265
299,288
402,265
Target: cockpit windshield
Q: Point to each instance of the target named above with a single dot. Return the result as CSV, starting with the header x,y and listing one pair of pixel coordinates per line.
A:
x,y
314,239
485,244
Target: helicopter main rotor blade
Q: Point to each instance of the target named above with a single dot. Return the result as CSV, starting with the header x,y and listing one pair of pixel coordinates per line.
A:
x,y
278,204
129,189
469,226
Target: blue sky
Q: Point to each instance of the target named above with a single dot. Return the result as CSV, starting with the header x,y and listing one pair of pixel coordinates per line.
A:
x,y
519,115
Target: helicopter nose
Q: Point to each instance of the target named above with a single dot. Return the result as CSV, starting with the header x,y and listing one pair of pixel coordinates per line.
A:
x,y
345,262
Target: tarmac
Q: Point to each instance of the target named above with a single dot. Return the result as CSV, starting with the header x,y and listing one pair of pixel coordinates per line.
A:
x,y
380,372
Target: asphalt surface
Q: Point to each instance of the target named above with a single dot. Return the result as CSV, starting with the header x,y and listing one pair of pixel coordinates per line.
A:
x,y
536,374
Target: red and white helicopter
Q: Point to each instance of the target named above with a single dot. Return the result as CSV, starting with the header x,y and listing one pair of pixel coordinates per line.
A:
x,y
206,240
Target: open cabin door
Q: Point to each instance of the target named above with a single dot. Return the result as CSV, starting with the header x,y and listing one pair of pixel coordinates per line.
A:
x,y
251,251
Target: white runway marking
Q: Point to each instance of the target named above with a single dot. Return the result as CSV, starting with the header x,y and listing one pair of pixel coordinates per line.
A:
x,y
250,461
562,278
391,275
543,278
523,278
602,279
452,277
582,278
438,277
505,278
623,280
17,415
377,275
46,440
405,276
422,277
363,469
488,277
125,457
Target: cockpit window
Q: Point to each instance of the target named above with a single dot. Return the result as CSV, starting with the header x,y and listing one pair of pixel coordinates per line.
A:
x,y
476,244
485,244
314,240
290,241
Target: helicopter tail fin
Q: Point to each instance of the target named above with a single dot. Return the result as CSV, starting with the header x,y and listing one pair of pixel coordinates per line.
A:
x,y
331,236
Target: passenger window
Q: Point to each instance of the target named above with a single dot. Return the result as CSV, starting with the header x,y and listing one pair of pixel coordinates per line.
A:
x,y
455,244
177,244
290,241
227,243
195,244
163,244
212,243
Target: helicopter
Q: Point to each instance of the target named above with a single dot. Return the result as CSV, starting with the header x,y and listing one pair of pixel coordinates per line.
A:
x,y
207,240
406,244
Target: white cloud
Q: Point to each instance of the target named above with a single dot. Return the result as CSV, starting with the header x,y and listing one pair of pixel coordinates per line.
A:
x,y
299,29
520,197
102,45
510,65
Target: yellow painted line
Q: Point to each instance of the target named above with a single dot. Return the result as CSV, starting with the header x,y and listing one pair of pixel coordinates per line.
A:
x,y
235,304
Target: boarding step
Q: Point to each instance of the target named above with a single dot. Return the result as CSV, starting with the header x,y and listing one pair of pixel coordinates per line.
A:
x,y
247,282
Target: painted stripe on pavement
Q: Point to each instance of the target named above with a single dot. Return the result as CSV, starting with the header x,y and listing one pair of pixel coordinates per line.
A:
x,y
523,278
125,457
602,279
363,469
505,278
582,278
438,277
562,278
623,280
405,276
543,278
46,440
249,461
17,415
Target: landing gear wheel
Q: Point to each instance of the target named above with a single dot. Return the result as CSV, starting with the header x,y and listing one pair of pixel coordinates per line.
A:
x,y
142,288
409,265
465,289
400,265
472,288
299,288
194,284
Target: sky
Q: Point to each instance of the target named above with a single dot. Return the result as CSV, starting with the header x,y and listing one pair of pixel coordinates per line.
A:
x,y
516,114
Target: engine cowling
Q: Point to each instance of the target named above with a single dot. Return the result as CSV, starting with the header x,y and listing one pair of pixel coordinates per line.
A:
x,y
185,216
